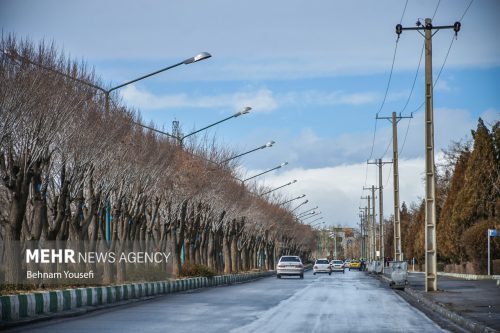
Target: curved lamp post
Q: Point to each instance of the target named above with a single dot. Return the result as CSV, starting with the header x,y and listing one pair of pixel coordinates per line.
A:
x,y
196,58
268,144
245,110
180,140
316,214
262,173
320,218
306,214
302,204
277,188
299,197
302,214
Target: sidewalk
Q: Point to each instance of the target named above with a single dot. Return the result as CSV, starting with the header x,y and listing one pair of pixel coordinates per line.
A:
x,y
477,301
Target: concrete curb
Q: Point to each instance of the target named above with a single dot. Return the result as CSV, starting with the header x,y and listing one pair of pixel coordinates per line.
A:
x,y
456,318
19,309
465,276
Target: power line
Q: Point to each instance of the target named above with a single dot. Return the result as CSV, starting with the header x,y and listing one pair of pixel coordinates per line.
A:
x,y
404,11
406,134
435,11
439,73
385,96
414,79
387,149
466,10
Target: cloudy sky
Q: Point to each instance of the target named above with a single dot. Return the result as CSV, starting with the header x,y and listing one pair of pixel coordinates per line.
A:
x,y
316,73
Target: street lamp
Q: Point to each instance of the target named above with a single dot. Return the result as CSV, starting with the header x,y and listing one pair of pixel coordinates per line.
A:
x,y
277,188
181,139
299,197
319,223
260,174
268,144
245,110
107,92
320,218
302,204
302,214
315,214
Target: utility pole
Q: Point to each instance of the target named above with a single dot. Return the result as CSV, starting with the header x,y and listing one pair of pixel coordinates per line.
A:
x,y
368,223
373,231
364,227
430,181
373,223
395,160
380,164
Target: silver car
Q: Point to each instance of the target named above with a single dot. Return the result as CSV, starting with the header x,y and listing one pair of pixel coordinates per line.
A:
x,y
337,266
290,265
322,266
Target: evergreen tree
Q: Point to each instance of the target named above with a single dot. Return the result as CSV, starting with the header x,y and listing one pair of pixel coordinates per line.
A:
x,y
476,199
448,237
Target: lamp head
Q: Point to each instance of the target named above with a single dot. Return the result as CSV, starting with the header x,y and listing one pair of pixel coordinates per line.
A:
x,y
270,144
245,110
198,57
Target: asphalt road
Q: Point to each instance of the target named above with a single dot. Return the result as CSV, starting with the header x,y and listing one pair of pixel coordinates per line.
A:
x,y
350,302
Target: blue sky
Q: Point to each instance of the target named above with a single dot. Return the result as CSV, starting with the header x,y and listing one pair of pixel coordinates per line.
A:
x,y
314,73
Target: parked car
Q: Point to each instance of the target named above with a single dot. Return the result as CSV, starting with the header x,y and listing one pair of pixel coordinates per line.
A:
x,y
337,266
290,265
347,262
355,264
322,266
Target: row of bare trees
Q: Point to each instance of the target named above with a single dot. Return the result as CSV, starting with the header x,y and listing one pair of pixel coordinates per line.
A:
x,y
72,171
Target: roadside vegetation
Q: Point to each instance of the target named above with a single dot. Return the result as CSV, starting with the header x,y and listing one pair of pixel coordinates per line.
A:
x,y
468,194
69,169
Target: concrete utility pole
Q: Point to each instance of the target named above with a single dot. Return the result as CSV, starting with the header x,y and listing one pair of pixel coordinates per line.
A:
x,y
363,215
368,223
373,223
373,231
430,181
366,229
395,160
380,164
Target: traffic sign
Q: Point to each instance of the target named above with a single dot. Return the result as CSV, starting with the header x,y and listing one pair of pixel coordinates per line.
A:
x,y
493,232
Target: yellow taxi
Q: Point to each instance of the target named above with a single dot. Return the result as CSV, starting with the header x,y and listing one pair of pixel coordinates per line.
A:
x,y
355,264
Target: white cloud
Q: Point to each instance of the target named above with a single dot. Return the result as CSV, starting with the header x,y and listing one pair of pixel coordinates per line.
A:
x,y
490,116
443,86
337,190
261,100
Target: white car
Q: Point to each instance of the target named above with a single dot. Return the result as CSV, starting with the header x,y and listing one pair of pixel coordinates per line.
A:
x,y
337,266
322,266
290,265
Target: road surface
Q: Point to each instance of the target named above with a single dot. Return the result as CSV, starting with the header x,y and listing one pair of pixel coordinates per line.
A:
x,y
350,302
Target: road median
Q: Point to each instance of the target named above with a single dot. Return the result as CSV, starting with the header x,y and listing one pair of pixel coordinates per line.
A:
x,y
43,305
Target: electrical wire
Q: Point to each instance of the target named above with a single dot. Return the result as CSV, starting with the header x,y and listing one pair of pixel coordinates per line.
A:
x,y
404,11
385,98
435,11
466,10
